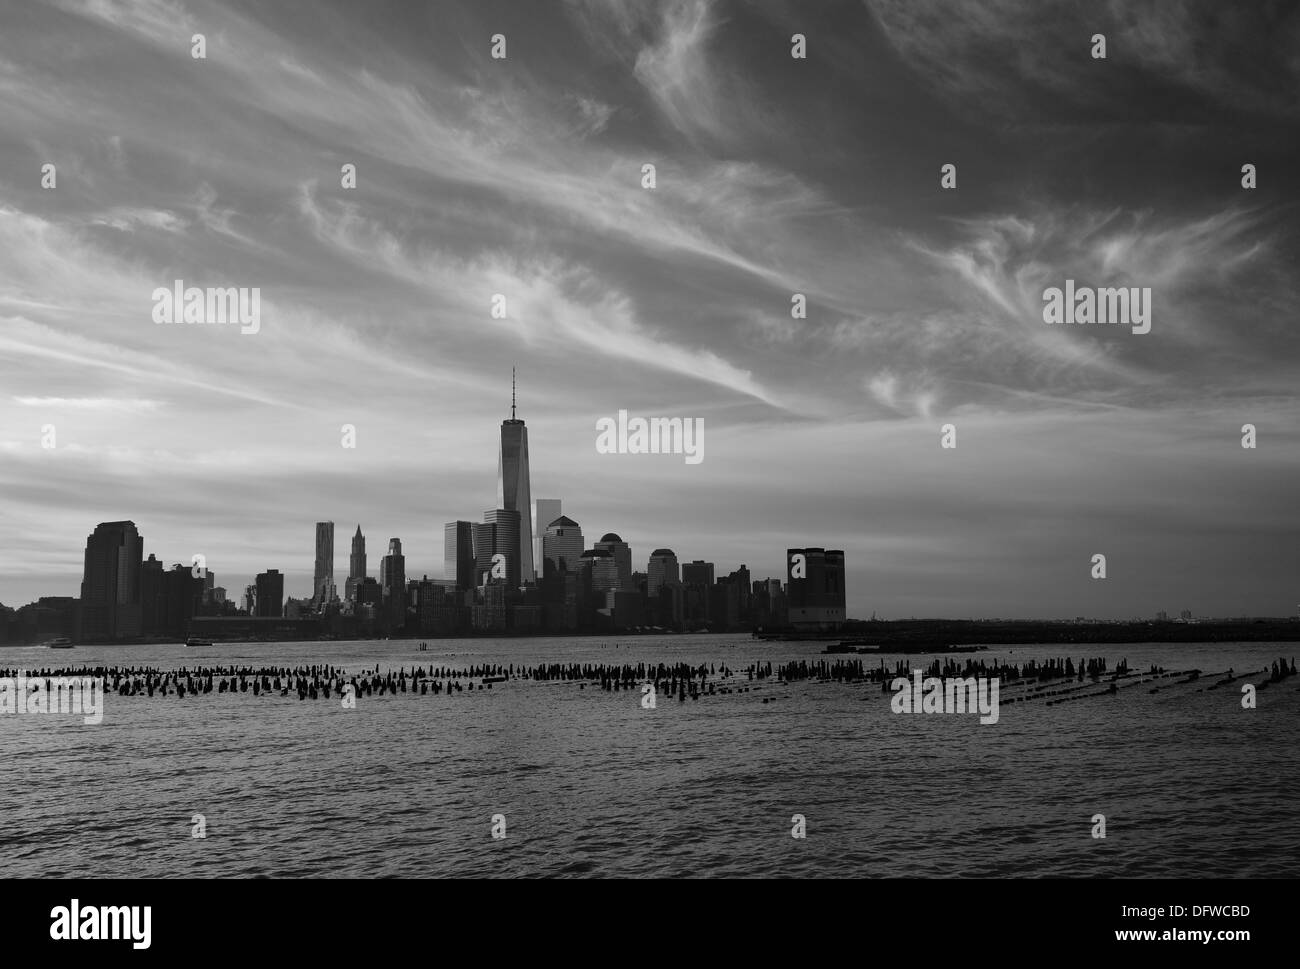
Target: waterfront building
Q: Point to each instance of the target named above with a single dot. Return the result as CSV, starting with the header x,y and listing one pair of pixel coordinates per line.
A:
x,y
815,588
270,594
110,585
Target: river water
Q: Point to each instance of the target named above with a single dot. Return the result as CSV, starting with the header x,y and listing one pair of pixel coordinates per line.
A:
x,y
591,783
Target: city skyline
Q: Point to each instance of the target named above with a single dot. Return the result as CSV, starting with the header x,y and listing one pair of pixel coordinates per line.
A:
x,y
522,177
324,545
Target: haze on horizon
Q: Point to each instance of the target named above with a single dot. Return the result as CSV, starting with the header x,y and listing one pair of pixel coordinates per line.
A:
x,y
775,176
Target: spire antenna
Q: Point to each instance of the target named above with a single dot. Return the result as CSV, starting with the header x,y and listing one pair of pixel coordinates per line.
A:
x,y
512,393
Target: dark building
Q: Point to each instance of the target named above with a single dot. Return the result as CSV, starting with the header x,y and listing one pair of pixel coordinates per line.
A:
x,y
697,573
392,576
733,609
458,554
270,594
323,577
697,583
769,604
182,596
815,588
356,566
110,585
153,602
370,592
724,606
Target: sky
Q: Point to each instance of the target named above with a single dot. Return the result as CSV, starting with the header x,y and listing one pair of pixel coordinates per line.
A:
x,y
523,176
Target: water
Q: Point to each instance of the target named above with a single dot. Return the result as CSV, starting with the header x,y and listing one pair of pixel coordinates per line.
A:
x,y
592,784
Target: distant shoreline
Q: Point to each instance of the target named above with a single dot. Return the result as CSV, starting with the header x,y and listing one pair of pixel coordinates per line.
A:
x,y
945,634
908,635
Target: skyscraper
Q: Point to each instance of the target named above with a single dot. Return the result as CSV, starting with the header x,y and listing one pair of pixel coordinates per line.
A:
x,y
356,566
562,545
697,581
270,593
545,511
323,583
458,553
698,573
182,593
662,568
110,585
497,535
604,570
392,577
153,603
513,491
622,553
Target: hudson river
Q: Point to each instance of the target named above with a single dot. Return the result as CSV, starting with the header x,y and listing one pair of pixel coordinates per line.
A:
x,y
592,784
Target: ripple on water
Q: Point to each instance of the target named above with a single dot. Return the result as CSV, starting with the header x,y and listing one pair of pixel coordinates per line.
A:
x,y
591,784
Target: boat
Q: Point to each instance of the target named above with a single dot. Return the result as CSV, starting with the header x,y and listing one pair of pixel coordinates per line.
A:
x,y
192,641
61,643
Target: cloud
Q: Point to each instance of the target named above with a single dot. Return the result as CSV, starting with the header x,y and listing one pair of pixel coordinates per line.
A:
x,y
1022,59
130,405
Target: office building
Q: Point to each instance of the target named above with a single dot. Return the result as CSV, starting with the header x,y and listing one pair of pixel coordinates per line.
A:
x,y
698,573
110,585
497,535
458,554
356,566
323,581
562,545
153,603
182,594
815,588
603,567
622,553
270,594
661,568
392,578
545,511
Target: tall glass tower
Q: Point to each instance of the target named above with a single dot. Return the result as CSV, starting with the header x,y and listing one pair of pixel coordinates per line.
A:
x,y
323,579
513,492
